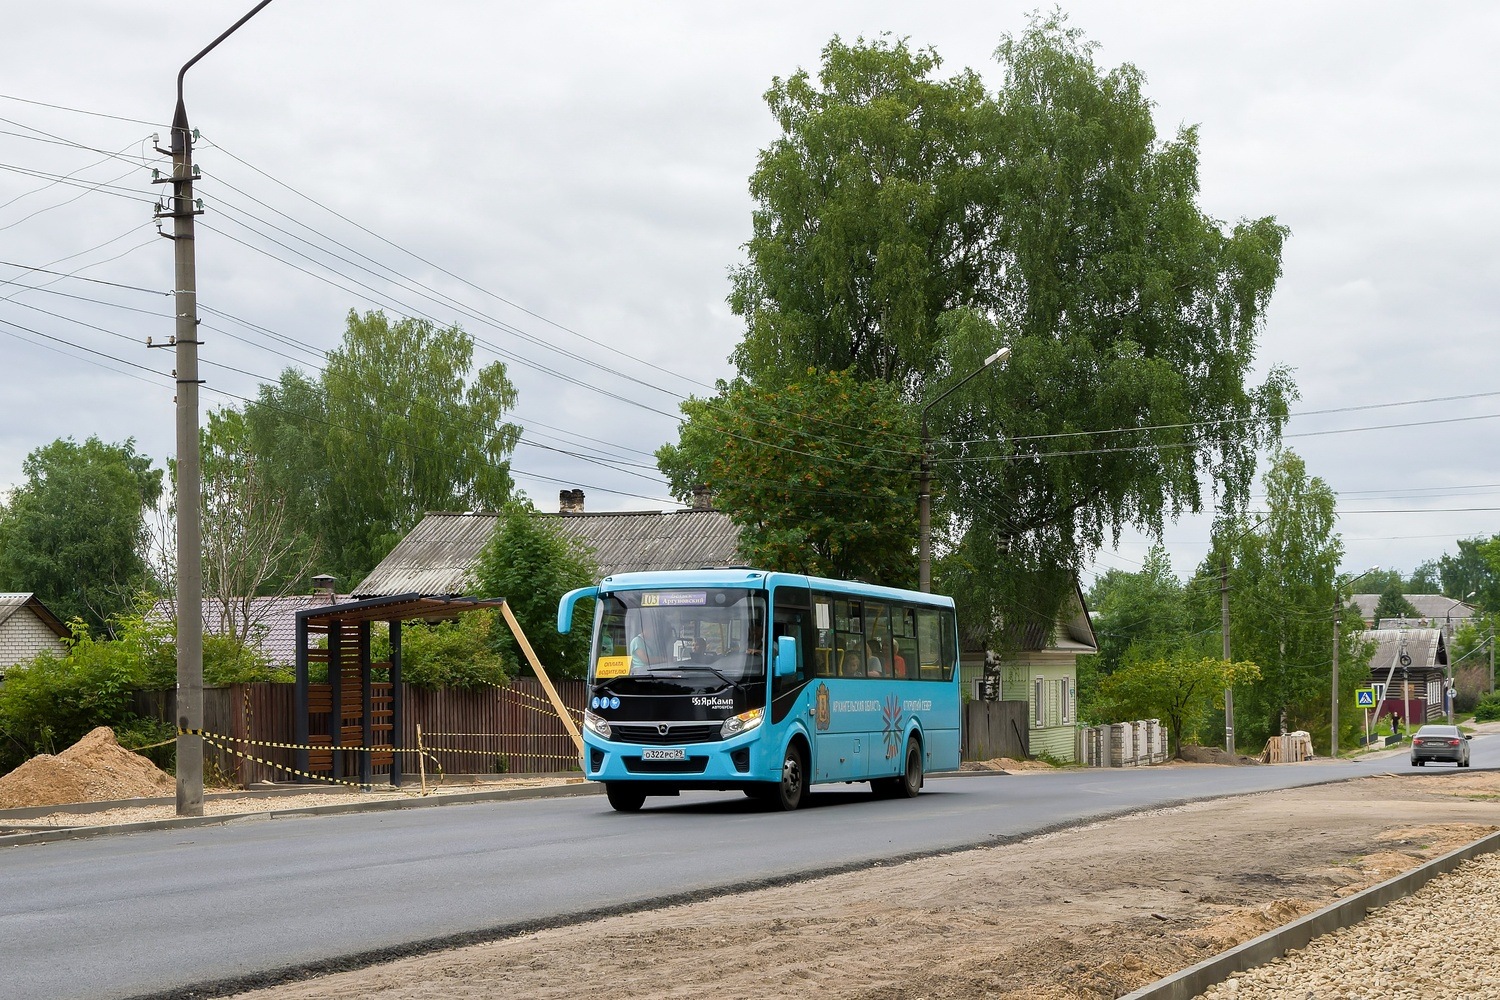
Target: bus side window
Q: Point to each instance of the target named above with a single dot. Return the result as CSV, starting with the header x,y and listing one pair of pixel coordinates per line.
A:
x,y
930,645
827,663
849,637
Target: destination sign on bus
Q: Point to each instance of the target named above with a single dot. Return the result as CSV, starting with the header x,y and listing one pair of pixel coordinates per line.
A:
x,y
675,599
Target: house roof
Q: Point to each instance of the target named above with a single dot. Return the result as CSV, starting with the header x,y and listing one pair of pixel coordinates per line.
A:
x,y
436,556
1073,630
1424,646
1431,607
11,603
274,629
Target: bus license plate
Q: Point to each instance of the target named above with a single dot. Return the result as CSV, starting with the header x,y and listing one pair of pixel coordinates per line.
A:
x,y
664,753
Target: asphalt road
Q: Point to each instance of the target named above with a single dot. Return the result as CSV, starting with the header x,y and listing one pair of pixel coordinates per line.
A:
x,y
153,914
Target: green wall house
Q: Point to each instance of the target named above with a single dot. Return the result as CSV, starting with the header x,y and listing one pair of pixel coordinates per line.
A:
x,y
1044,674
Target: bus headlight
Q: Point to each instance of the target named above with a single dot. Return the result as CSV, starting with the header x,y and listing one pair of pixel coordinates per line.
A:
x,y
742,723
594,724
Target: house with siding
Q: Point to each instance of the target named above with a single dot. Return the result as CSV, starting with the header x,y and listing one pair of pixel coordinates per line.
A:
x,y
28,629
1043,673
1413,663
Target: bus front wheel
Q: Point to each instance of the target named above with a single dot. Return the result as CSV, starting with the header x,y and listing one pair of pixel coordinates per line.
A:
x,y
793,785
624,797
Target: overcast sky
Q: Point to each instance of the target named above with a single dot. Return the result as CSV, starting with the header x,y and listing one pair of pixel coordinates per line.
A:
x,y
573,175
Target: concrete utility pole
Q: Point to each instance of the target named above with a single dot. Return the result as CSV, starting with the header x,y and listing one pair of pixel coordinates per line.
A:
x,y
189,483
1224,625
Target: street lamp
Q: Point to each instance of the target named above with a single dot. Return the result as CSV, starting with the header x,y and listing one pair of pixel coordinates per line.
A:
x,y
924,483
189,481
1338,606
1447,636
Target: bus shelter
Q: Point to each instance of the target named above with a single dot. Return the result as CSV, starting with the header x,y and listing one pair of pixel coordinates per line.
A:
x,y
350,726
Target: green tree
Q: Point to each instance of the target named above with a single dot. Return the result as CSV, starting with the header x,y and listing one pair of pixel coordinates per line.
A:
x,y
818,474
869,216
409,431
75,532
905,226
1138,616
531,564
286,434
399,423
1178,691
1282,581
1393,604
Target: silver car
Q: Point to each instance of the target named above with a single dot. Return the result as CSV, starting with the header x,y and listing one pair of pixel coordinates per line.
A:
x,y
1444,743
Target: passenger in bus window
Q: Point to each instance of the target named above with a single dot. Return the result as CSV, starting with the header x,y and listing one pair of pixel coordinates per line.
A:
x,y
872,659
898,662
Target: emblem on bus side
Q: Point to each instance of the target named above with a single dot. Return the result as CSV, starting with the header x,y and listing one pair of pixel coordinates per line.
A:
x,y
823,715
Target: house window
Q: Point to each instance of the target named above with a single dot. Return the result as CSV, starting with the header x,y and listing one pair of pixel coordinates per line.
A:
x,y
1039,703
1063,690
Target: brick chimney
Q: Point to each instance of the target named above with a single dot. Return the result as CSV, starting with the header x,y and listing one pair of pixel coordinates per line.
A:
x,y
570,501
323,585
703,498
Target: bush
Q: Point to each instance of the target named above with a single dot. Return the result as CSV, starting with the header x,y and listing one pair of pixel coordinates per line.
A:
x,y
47,704
458,654
1488,708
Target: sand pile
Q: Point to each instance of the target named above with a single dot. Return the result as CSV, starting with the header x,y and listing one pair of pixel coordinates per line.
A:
x,y
95,769
1006,764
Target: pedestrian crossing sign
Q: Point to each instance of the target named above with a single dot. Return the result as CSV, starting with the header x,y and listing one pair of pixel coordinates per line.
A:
x,y
1365,697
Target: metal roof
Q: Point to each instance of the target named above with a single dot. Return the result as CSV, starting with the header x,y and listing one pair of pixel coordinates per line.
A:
x,y
1425,646
273,628
11,603
436,557
1431,607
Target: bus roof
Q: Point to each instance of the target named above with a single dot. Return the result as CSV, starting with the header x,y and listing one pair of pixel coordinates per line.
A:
x,y
761,579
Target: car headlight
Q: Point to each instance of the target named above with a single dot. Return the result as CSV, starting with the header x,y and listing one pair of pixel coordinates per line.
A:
x,y
742,723
594,724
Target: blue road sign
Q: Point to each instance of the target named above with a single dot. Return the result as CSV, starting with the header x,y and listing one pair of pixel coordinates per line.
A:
x,y
1365,697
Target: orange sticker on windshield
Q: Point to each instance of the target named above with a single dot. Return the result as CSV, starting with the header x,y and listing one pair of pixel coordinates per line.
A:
x,y
612,666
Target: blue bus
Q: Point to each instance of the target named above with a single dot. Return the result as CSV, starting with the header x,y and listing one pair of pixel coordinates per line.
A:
x,y
766,683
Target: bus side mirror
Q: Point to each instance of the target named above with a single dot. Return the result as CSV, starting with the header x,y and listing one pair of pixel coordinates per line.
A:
x,y
565,606
786,656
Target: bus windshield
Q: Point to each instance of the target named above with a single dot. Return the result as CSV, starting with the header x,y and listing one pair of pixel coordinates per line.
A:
x,y
714,631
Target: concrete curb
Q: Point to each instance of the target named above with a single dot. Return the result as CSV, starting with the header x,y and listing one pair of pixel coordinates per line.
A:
x,y
1192,981
381,805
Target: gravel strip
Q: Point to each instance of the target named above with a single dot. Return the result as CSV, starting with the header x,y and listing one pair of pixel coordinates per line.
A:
x,y
1437,942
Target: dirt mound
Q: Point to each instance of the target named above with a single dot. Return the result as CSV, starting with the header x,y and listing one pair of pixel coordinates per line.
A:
x,y
1005,764
95,769
1192,753
1230,929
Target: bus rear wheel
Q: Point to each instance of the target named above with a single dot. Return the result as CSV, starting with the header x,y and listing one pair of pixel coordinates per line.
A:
x,y
624,797
905,785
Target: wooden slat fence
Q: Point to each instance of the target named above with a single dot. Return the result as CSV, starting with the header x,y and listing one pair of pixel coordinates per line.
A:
x,y
486,731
